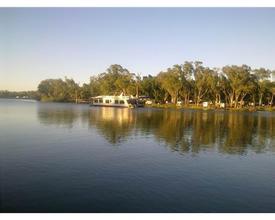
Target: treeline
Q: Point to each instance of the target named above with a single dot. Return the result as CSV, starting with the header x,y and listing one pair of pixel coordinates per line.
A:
x,y
191,82
21,94
59,90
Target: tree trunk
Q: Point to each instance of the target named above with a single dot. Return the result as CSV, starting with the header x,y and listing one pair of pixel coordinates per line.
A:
x,y
242,98
174,99
198,98
260,99
236,100
216,100
231,98
76,101
185,99
254,101
137,91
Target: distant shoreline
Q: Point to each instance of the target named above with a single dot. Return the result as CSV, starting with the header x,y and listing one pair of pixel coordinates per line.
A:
x,y
172,106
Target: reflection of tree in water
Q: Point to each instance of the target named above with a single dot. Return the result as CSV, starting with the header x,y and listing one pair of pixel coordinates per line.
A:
x,y
167,126
182,131
245,131
240,128
115,124
193,131
58,114
265,131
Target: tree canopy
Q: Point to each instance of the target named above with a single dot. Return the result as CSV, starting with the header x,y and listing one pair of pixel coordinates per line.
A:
x,y
190,82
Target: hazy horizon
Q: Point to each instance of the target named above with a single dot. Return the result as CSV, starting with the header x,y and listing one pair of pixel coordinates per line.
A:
x,y
41,43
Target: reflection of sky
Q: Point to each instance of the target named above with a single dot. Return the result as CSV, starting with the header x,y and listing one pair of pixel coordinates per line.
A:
x,y
53,43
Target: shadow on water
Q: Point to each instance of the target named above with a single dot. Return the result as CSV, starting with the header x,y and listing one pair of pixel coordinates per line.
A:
x,y
189,131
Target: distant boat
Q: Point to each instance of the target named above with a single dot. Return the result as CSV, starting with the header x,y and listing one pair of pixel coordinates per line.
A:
x,y
116,101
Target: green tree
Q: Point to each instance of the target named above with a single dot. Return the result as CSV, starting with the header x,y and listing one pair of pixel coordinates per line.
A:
x,y
171,82
215,83
271,92
85,92
52,90
72,90
116,80
203,76
94,85
147,86
262,75
187,84
238,77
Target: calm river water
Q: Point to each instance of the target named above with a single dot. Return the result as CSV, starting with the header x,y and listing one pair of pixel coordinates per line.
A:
x,y
75,158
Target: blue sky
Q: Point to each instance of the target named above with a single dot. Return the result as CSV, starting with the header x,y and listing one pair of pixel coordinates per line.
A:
x,y
40,43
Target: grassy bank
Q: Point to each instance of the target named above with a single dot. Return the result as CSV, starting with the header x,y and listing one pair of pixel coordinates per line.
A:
x,y
245,109
174,106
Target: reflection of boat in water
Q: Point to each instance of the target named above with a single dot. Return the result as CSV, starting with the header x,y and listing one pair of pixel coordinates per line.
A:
x,y
117,101
115,124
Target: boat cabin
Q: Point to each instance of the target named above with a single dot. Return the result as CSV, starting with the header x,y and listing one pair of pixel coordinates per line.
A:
x,y
116,101
119,101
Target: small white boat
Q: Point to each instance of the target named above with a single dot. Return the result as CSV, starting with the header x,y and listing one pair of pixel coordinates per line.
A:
x,y
116,101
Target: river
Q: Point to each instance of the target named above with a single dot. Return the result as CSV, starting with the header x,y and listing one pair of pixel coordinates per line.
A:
x,y
58,157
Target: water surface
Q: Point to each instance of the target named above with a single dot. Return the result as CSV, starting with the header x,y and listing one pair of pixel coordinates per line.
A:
x,y
75,158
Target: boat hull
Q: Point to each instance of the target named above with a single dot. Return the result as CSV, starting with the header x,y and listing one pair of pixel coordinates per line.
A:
x,y
110,105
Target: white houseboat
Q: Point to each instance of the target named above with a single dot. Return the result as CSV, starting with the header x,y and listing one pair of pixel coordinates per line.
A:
x,y
116,101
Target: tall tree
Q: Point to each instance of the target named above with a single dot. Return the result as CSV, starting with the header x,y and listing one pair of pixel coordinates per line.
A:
x,y
215,83
262,75
85,92
171,82
202,77
238,77
116,80
52,90
186,79
72,90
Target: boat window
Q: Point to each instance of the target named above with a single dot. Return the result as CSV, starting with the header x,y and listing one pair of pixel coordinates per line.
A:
x,y
116,101
107,101
100,100
121,102
96,101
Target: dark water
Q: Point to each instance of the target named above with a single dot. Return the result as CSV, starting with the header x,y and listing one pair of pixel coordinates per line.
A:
x,y
74,158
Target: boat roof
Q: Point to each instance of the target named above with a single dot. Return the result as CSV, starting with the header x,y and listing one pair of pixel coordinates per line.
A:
x,y
112,97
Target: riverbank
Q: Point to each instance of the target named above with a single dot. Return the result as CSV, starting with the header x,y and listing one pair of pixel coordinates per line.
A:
x,y
194,107
171,106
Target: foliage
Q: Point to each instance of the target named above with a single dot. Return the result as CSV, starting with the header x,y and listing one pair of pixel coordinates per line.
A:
x,y
58,90
190,82
21,94
171,82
